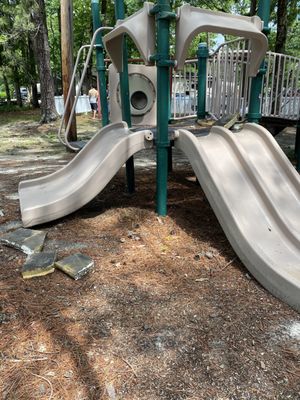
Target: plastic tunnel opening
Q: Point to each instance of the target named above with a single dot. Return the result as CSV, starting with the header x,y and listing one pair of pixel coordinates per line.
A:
x,y
139,100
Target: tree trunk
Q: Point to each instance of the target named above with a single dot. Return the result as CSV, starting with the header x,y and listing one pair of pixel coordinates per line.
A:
x,y
42,55
67,64
34,100
34,96
281,36
282,23
103,7
8,98
17,87
253,7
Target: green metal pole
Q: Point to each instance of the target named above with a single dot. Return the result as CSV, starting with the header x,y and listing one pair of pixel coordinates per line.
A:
x,y
254,114
202,55
163,15
100,62
124,91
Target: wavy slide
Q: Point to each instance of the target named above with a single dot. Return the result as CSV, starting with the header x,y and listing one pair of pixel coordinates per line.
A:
x,y
58,194
255,194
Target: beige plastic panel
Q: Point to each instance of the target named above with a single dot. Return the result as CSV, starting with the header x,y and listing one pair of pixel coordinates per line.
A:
x,y
193,20
141,28
255,194
141,78
58,194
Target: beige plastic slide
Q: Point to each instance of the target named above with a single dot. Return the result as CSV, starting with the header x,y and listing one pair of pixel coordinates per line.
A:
x,y
255,193
58,194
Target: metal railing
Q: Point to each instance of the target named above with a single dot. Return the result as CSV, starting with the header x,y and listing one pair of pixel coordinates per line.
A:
x,y
184,91
281,87
63,138
228,84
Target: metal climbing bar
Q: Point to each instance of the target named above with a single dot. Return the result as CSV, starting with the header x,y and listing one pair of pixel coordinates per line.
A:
x,y
78,90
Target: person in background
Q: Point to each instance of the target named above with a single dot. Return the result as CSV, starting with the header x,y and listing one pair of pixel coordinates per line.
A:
x,y
93,98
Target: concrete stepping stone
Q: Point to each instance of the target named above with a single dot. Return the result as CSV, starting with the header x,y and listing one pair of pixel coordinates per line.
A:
x,y
39,264
8,226
26,240
75,265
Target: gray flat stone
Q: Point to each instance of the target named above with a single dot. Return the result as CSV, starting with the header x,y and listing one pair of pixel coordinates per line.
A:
x,y
8,226
39,264
26,240
75,265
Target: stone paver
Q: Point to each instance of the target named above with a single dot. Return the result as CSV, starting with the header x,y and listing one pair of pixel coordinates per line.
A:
x,y
75,265
39,264
27,240
8,226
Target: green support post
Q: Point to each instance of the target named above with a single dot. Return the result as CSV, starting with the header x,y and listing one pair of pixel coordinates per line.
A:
x,y
124,92
202,55
254,114
297,146
163,15
100,62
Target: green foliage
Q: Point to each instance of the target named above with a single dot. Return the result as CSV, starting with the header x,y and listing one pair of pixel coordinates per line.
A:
x,y
52,10
293,42
16,27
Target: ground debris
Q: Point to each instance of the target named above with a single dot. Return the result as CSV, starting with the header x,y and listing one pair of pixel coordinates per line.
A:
x,y
209,255
69,374
111,392
133,235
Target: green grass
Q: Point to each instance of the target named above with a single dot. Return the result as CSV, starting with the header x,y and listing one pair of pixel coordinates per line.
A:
x,y
11,114
19,131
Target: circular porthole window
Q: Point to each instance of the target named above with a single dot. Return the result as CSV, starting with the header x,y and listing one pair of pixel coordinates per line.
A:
x,y
142,94
139,100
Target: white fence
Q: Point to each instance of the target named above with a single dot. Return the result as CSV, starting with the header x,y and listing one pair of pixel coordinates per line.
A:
x,y
228,85
82,105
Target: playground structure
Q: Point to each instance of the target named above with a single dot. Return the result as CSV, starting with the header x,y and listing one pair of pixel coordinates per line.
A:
x,y
249,182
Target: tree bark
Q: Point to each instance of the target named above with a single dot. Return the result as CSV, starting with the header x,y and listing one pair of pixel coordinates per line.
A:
x,y
282,24
253,7
42,55
34,100
103,7
8,98
17,87
67,63
34,96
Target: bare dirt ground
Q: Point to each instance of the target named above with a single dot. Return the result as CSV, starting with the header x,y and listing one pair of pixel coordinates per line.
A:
x,y
168,312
